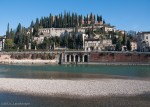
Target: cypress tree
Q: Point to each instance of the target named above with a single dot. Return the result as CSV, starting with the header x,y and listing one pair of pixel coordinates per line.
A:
x,y
7,32
128,45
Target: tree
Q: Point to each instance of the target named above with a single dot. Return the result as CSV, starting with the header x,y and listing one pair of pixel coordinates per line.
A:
x,y
36,27
118,46
32,24
11,34
57,42
87,19
114,40
104,22
17,38
124,40
65,40
46,43
80,20
100,18
128,45
33,44
9,44
89,33
79,41
97,18
65,20
7,32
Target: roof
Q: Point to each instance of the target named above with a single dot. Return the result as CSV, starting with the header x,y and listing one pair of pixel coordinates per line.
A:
x,y
145,32
91,39
108,25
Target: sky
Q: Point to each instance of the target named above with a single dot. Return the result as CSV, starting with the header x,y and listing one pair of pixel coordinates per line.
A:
x,y
124,14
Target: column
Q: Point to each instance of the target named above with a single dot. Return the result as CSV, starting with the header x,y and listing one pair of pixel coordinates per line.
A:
x,y
88,58
74,58
82,58
69,58
78,58
83,40
65,58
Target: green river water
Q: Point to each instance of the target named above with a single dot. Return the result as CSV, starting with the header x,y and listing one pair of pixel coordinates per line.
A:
x,y
66,71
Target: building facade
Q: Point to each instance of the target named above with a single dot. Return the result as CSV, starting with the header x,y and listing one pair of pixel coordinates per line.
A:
x,y
2,43
47,32
92,44
133,46
143,41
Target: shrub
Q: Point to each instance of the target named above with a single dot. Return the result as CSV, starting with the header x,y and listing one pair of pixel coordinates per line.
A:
x,y
33,56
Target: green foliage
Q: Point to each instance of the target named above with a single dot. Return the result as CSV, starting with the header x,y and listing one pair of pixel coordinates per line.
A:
x,y
9,44
7,32
65,20
124,40
128,45
118,46
22,37
33,44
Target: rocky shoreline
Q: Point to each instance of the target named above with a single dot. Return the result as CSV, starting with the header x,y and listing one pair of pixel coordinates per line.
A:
x,y
75,88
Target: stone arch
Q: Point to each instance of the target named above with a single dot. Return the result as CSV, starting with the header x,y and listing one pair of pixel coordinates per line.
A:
x,y
72,57
85,58
76,58
80,58
67,58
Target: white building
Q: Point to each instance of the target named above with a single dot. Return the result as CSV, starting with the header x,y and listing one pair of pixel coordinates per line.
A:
x,y
143,41
57,31
38,40
2,43
108,28
92,44
1,46
133,46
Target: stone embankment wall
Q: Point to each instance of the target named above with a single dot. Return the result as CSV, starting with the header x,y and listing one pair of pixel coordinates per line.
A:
x,y
27,58
93,57
119,57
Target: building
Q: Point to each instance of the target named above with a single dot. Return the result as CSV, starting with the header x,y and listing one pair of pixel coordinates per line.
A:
x,y
124,48
47,32
2,43
38,40
143,41
108,28
120,31
133,46
92,44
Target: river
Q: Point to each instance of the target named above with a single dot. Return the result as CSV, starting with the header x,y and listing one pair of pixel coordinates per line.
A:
x,y
73,71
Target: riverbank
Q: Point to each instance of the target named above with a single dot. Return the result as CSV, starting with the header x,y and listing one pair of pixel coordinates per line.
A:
x,y
28,61
111,63
75,57
75,88
6,59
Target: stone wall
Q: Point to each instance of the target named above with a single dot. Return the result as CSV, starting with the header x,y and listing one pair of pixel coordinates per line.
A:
x,y
119,57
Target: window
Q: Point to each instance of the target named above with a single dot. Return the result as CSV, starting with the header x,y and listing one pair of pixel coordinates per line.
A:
x,y
146,37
